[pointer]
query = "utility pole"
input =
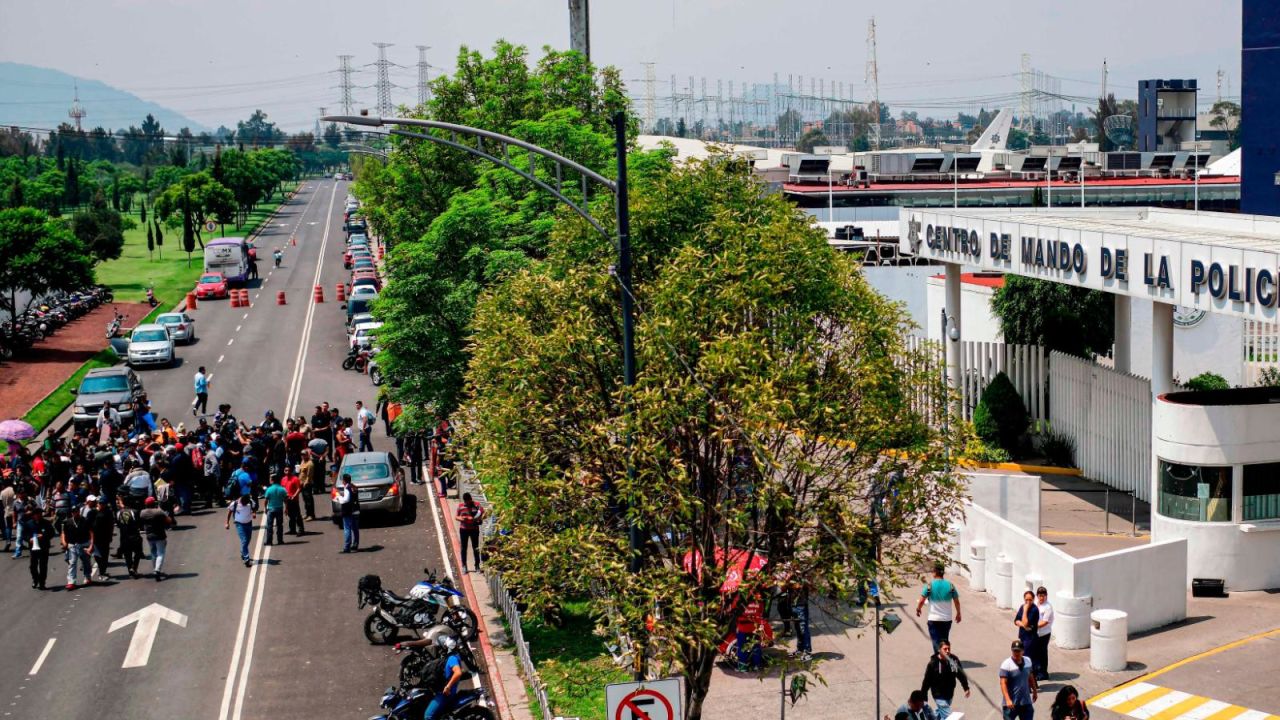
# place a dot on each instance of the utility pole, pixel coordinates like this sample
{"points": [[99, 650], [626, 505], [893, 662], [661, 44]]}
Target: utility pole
{"points": [[580, 27], [383, 84], [424, 92], [345, 84], [873, 80], [650, 99]]}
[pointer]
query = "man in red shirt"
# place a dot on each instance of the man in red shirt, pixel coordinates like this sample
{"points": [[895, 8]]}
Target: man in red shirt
{"points": [[293, 493], [470, 515]]}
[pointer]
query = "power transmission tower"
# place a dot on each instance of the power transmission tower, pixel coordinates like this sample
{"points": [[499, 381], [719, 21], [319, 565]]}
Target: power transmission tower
{"points": [[650, 99], [319, 129], [78, 113], [344, 83], [1220, 74], [383, 84], [424, 92], [873, 79], [1025, 123]]}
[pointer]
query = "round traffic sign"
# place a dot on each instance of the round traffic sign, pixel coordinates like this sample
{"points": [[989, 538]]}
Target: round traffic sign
{"points": [[210, 225], [644, 704]]}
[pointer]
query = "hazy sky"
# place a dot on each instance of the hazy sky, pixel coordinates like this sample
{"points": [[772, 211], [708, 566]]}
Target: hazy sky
{"points": [[217, 60]]}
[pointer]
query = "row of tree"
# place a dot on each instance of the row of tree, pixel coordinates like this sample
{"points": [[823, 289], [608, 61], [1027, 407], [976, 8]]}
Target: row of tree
{"points": [[754, 340]]}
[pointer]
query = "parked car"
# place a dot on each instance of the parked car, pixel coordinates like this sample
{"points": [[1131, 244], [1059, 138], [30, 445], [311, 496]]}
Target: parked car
{"points": [[211, 285], [182, 327], [150, 344], [119, 386], [362, 334], [356, 306], [363, 292], [366, 279], [379, 482]]}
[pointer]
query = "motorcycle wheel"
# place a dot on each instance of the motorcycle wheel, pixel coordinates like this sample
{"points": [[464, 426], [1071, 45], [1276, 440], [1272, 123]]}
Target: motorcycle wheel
{"points": [[348, 363], [376, 376], [413, 664], [474, 712], [463, 621], [377, 630]]}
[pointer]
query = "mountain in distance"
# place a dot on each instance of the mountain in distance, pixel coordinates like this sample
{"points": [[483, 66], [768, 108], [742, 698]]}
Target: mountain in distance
{"points": [[37, 97]]}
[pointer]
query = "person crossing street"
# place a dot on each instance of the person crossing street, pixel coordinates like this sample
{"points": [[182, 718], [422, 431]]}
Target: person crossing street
{"points": [[241, 513], [200, 406], [275, 496]]}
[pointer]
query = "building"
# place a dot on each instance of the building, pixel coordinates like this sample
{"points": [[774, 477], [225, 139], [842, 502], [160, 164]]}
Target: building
{"points": [[1260, 108], [1166, 114]]}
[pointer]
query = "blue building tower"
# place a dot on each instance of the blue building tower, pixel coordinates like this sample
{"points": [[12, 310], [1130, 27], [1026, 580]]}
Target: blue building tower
{"points": [[1260, 109]]}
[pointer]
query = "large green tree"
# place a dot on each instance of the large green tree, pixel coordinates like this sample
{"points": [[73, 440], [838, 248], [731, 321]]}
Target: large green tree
{"points": [[41, 255], [1073, 320], [755, 342], [100, 229], [205, 198]]}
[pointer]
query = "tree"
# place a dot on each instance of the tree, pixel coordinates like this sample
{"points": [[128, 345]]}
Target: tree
{"points": [[159, 238], [1226, 117], [151, 243], [332, 135], [789, 123], [142, 211], [188, 233], [100, 230], [681, 128], [200, 196], [811, 138], [41, 255], [1073, 320], [754, 340], [257, 130], [71, 185]]}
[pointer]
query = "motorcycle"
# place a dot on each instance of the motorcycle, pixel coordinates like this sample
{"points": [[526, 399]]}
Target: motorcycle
{"points": [[429, 604], [113, 327], [151, 298], [357, 358], [410, 699]]}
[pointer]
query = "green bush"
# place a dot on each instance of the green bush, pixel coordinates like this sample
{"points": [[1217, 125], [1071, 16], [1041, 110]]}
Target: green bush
{"points": [[1058, 449], [1270, 377], [1000, 417], [1208, 381]]}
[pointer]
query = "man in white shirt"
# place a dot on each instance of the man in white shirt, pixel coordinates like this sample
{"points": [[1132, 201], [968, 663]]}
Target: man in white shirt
{"points": [[1043, 631], [365, 420]]}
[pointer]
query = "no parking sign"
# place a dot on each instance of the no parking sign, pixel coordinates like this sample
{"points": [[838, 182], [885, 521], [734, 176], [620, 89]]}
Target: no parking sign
{"points": [[655, 700]]}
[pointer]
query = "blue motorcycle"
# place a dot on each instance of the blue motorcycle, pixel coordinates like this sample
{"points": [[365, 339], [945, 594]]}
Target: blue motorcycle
{"points": [[411, 704], [429, 603]]}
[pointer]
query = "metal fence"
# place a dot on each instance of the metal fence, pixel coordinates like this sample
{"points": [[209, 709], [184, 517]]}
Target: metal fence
{"points": [[508, 606], [1108, 415]]}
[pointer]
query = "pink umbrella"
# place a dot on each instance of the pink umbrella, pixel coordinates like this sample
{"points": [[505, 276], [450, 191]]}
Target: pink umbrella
{"points": [[16, 430]]}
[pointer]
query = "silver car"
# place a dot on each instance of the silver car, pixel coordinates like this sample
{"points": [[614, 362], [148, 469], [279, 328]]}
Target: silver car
{"points": [[379, 482], [182, 327], [150, 345]]}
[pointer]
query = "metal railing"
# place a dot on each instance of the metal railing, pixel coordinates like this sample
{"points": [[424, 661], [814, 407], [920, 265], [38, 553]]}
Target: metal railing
{"points": [[507, 605]]}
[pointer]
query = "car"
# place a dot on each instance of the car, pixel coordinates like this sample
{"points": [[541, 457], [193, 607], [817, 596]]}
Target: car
{"points": [[119, 386], [379, 482], [362, 264], [360, 318], [350, 255], [211, 285], [358, 236], [363, 292], [362, 335], [182, 327], [364, 279], [150, 344], [357, 306]]}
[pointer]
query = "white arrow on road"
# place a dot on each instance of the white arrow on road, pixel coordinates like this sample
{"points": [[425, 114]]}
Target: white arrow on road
{"points": [[144, 635]]}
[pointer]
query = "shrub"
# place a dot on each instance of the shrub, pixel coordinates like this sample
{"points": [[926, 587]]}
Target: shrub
{"points": [[1270, 377], [1208, 381], [1000, 417], [1058, 449]]}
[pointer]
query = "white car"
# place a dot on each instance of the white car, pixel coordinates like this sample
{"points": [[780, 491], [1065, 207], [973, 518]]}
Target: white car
{"points": [[363, 292], [363, 334], [150, 345], [182, 327]]}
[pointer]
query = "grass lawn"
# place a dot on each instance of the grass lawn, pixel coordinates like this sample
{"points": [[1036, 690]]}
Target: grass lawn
{"points": [[133, 272], [572, 662], [48, 409]]}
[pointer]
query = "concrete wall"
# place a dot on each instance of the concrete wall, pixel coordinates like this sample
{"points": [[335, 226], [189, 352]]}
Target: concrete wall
{"points": [[977, 321], [1016, 498], [905, 284], [1028, 552], [1214, 344]]}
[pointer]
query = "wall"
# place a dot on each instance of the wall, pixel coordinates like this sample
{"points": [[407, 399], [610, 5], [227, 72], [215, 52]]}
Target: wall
{"points": [[1016, 498], [904, 284], [1027, 551], [977, 321], [1213, 344], [1260, 105]]}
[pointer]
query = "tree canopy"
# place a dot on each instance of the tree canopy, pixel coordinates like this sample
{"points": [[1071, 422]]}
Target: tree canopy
{"points": [[41, 255], [1070, 319]]}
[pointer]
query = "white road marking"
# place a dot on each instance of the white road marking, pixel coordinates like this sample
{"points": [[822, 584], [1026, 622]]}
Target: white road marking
{"points": [[1160, 703], [263, 560], [435, 516], [231, 341], [146, 624], [244, 316], [300, 364], [1125, 695], [238, 328], [230, 684], [220, 357], [256, 296], [1206, 710], [43, 654]]}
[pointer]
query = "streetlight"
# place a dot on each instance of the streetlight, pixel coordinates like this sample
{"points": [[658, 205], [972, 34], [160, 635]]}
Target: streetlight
{"points": [[1195, 170], [950, 331], [1082, 174]]}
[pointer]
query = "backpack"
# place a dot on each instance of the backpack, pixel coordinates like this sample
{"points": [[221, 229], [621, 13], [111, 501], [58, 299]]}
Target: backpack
{"points": [[433, 672]]}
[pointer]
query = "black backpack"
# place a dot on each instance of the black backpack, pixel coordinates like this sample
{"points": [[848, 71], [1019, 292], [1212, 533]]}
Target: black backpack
{"points": [[433, 678]]}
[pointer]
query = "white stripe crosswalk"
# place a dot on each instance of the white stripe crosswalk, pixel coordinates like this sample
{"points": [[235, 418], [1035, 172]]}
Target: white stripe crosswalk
{"points": [[1148, 701]]}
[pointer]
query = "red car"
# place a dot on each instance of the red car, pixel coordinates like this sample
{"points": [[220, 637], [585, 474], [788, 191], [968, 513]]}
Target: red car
{"points": [[211, 285]]}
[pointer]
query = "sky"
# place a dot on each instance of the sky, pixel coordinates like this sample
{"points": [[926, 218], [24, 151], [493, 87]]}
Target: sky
{"points": [[218, 60]]}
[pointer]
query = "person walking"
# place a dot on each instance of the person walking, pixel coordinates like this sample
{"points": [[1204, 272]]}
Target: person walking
{"points": [[241, 513], [155, 522], [76, 537], [1068, 705], [103, 526], [916, 708], [1027, 619], [940, 677], [365, 422], [470, 515], [275, 496], [942, 597], [39, 534], [1044, 631], [130, 536], [1018, 688], [292, 503], [349, 508]]}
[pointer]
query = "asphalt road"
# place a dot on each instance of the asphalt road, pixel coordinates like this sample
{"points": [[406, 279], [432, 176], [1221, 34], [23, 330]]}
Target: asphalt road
{"points": [[282, 639]]}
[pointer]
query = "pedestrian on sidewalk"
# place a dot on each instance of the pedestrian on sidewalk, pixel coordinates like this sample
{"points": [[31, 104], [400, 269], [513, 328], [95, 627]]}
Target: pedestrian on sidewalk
{"points": [[76, 537], [1027, 619], [275, 496], [130, 536], [155, 522], [470, 516], [916, 708], [1044, 631], [349, 510], [241, 513], [292, 503], [942, 597], [39, 534], [365, 422], [1068, 705], [940, 677], [1018, 688]]}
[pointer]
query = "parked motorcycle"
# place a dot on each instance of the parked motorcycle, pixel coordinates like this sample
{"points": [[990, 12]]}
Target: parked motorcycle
{"points": [[430, 604], [411, 700], [151, 297], [357, 358], [113, 327]]}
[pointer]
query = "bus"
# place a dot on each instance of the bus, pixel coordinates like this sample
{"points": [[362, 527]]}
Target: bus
{"points": [[229, 256]]}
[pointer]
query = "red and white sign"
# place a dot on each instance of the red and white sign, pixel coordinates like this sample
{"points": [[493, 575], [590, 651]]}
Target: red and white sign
{"points": [[656, 700]]}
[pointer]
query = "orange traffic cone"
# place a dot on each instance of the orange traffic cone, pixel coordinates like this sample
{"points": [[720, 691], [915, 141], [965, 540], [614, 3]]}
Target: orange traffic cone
{"points": [[318, 295], [342, 292], [191, 301], [280, 298]]}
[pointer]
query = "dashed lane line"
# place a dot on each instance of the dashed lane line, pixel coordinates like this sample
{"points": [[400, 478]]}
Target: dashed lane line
{"points": [[231, 341], [43, 654], [220, 357]]}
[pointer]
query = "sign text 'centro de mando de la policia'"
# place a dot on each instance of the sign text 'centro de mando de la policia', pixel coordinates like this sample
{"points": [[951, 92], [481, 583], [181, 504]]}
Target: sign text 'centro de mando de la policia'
{"points": [[1211, 277]]}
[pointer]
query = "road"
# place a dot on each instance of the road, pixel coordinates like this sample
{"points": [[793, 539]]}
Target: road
{"points": [[281, 639]]}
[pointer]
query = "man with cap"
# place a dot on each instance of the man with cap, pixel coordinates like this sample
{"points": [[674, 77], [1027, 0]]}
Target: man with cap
{"points": [[103, 527], [1018, 688], [130, 536], [155, 522], [270, 424], [916, 708], [242, 480]]}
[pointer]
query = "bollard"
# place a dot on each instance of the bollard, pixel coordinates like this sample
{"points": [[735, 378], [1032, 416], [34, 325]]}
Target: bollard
{"points": [[978, 565], [235, 298], [1071, 620], [191, 301], [957, 551], [318, 294], [1004, 582], [280, 298], [1033, 581], [382, 252], [1109, 640], [293, 240], [342, 292], [244, 298]]}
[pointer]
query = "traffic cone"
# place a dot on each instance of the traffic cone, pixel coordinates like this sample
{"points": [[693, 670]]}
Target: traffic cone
{"points": [[318, 295], [342, 292], [191, 301], [235, 298], [244, 298], [293, 240], [280, 298]]}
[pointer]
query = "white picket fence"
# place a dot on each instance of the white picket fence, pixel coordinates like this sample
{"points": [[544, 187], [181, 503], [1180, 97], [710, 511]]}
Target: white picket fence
{"points": [[1108, 415], [1261, 350], [1026, 365]]}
